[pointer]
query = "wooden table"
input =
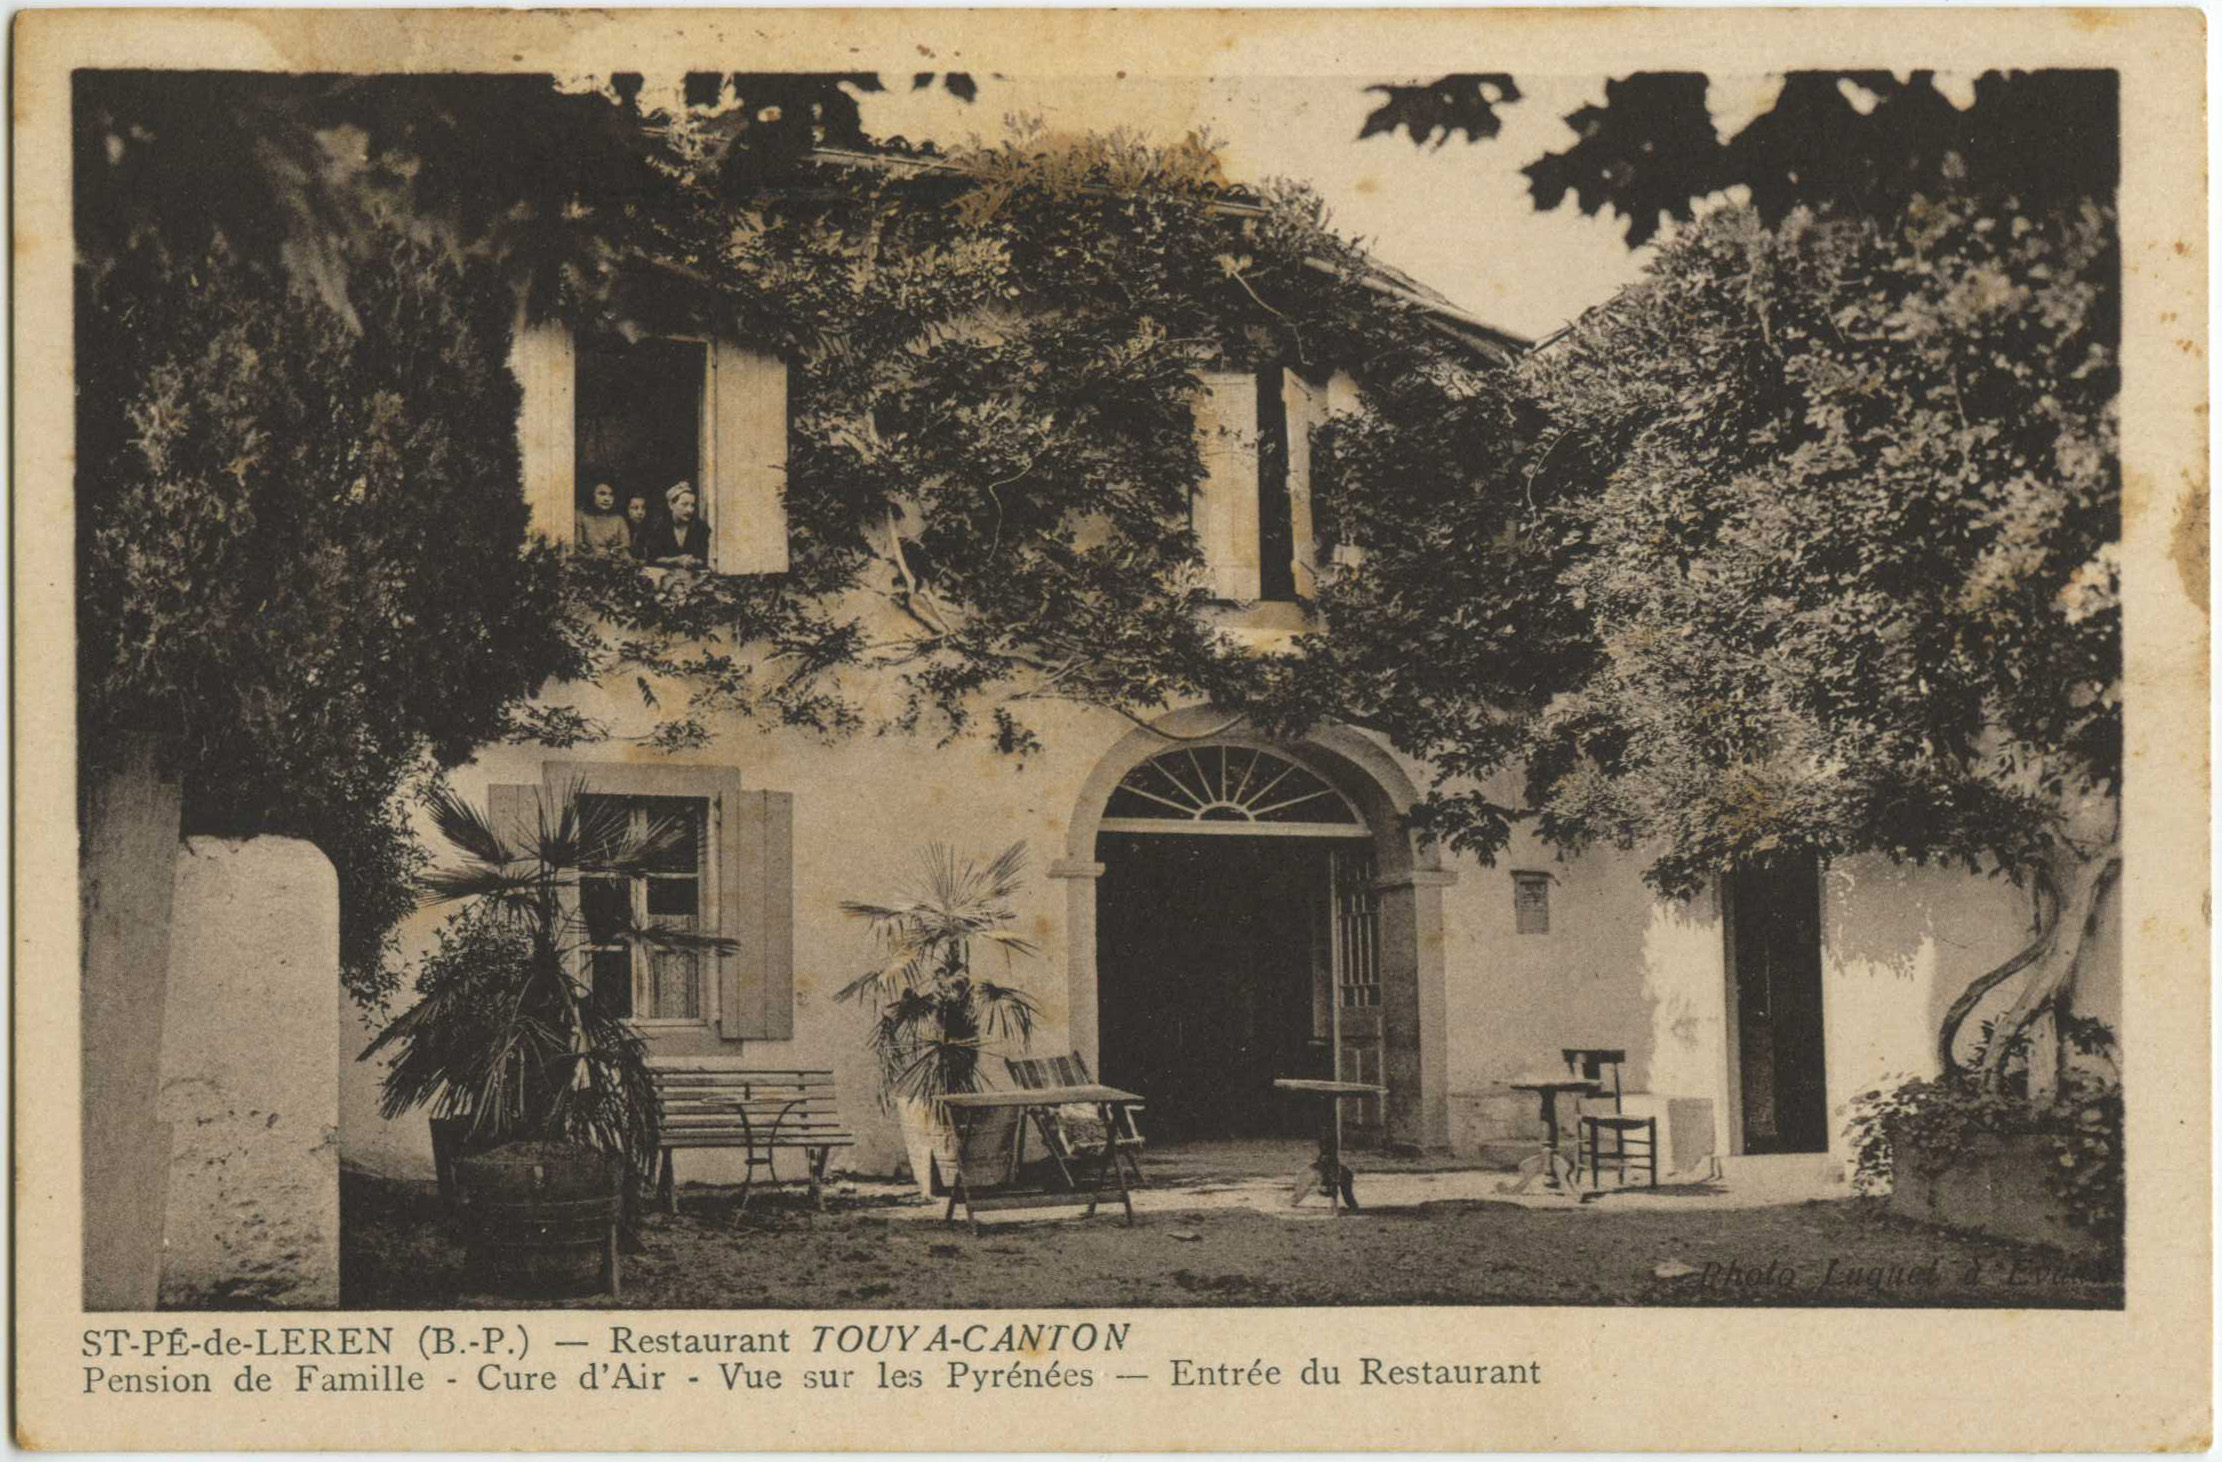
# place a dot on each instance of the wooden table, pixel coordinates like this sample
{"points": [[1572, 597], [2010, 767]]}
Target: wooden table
{"points": [[1547, 1090], [1108, 1101], [1326, 1172]]}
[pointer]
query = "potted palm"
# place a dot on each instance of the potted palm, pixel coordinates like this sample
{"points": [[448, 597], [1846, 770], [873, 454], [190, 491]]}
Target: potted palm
{"points": [[934, 1017], [538, 1088]]}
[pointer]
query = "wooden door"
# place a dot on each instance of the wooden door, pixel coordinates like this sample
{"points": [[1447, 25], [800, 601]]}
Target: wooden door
{"points": [[1354, 965], [1774, 915]]}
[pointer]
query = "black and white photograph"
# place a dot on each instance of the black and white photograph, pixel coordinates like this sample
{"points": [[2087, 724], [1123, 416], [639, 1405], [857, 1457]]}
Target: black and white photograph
{"points": [[1076, 691]]}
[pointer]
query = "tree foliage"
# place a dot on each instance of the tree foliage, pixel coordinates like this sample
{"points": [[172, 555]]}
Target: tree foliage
{"points": [[1846, 541], [1440, 110], [300, 564], [1862, 141], [993, 445], [303, 564], [1805, 542]]}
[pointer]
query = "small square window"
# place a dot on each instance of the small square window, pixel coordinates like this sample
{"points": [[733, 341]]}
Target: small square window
{"points": [[1531, 903]]}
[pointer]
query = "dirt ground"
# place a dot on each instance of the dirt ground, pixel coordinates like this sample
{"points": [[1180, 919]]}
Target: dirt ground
{"points": [[397, 1253]]}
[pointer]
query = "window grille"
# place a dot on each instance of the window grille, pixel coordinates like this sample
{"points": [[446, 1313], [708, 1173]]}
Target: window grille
{"points": [[1531, 903]]}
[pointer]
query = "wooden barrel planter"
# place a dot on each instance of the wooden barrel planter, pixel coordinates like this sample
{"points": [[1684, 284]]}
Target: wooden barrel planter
{"points": [[451, 1139], [525, 1199]]}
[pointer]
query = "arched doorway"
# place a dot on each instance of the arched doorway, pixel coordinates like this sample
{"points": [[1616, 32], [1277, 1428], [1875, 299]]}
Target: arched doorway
{"points": [[1242, 910]]}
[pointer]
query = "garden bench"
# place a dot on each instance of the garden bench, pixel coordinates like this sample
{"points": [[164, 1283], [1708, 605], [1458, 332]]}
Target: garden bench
{"points": [[717, 1104]]}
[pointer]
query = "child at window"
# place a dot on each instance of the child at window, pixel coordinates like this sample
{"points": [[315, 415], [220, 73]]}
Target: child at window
{"points": [[601, 527], [636, 523], [682, 540]]}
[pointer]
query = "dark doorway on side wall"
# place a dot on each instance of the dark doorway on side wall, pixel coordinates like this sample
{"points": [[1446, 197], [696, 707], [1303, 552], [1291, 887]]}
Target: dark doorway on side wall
{"points": [[1211, 960], [1774, 921]]}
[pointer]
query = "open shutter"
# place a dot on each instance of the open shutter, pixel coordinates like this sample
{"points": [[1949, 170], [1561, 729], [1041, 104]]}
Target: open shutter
{"points": [[1307, 408], [756, 998], [1226, 505], [515, 811], [545, 363], [748, 457], [1342, 398]]}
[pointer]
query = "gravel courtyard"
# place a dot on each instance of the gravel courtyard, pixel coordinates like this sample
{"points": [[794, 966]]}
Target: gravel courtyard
{"points": [[1230, 1239]]}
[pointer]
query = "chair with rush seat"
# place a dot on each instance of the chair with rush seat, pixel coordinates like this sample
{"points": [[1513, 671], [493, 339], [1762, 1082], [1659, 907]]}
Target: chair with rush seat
{"points": [[1635, 1139]]}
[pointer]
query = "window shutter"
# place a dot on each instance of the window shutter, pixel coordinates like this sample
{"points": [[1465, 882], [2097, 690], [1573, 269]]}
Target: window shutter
{"points": [[1226, 505], [756, 996], [515, 813], [546, 366], [1342, 398], [748, 455], [1307, 408]]}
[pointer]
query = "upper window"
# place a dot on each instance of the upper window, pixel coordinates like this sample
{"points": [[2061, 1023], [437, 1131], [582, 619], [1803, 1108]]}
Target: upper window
{"points": [[1252, 515], [673, 451], [1276, 526], [638, 450], [673, 890]]}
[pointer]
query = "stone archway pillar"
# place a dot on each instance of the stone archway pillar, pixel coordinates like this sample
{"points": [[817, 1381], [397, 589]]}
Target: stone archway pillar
{"points": [[1414, 1013], [1079, 877]]}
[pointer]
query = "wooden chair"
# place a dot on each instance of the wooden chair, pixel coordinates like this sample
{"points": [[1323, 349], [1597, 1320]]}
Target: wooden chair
{"points": [[1063, 1133], [1628, 1146]]}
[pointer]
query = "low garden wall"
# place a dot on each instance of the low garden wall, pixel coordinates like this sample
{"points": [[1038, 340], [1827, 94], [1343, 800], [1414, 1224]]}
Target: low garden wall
{"points": [[1995, 1185], [250, 1078]]}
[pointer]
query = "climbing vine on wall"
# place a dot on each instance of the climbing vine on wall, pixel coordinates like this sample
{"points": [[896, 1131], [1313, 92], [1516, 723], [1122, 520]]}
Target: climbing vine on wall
{"points": [[995, 356]]}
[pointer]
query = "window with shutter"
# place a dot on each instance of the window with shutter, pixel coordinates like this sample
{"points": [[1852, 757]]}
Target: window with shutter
{"points": [[1253, 514], [608, 428], [732, 874], [1224, 511], [675, 891]]}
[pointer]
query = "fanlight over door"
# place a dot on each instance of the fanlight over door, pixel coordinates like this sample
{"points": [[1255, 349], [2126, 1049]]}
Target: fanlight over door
{"points": [[1229, 789]]}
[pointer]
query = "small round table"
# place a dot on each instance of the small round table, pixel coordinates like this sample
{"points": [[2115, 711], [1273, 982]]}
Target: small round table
{"points": [[1326, 1173], [1547, 1090]]}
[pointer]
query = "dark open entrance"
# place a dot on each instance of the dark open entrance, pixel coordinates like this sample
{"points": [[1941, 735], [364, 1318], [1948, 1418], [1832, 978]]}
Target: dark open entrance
{"points": [[1774, 918], [1210, 953]]}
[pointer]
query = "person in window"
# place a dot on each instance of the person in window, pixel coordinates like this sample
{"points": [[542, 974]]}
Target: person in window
{"points": [[681, 540], [636, 523], [601, 527]]}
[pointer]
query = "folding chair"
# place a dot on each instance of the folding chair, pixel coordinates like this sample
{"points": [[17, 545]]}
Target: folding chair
{"points": [[1070, 1132]]}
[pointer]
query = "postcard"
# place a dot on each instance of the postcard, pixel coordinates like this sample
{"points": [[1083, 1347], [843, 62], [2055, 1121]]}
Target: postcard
{"points": [[1111, 730]]}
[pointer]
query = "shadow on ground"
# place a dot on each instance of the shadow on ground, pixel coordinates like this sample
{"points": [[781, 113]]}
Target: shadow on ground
{"points": [[397, 1253]]}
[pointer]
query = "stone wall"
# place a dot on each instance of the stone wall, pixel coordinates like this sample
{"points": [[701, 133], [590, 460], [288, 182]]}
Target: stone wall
{"points": [[250, 1057]]}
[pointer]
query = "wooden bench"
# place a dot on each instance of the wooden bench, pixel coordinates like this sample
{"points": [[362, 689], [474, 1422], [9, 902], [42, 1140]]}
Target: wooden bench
{"points": [[711, 1104]]}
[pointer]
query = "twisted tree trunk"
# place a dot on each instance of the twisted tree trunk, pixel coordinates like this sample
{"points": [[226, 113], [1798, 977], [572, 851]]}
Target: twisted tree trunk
{"points": [[2085, 882], [2068, 895]]}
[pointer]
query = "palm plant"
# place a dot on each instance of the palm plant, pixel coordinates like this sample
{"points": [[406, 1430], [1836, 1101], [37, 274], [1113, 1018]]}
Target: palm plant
{"points": [[934, 1017], [505, 1034]]}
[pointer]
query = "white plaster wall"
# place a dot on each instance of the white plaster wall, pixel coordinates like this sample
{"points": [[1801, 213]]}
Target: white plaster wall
{"points": [[1623, 968], [249, 1049], [1899, 944], [1619, 967], [864, 808]]}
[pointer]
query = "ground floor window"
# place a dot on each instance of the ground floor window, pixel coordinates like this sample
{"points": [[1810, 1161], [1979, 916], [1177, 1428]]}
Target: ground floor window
{"points": [[673, 891]]}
